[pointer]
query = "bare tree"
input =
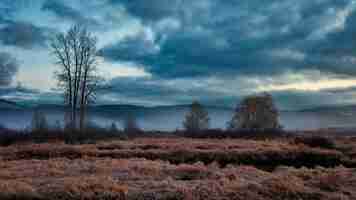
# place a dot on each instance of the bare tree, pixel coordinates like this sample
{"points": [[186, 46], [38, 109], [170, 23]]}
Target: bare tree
{"points": [[131, 126], [8, 68], [39, 122], [76, 55], [197, 119], [256, 112], [113, 128]]}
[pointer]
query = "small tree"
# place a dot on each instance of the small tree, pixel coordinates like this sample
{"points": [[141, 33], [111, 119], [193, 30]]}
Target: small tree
{"points": [[197, 119], [39, 122], [114, 131], [113, 128], [57, 126], [256, 112], [130, 125]]}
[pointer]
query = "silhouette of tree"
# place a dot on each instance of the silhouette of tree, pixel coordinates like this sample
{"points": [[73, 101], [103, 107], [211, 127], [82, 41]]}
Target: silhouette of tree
{"points": [[113, 128], [76, 55], [39, 122], [57, 126], [119, 134], [256, 112], [130, 125], [197, 119]]}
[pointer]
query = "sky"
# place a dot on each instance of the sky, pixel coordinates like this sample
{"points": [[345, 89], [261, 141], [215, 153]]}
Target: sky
{"points": [[168, 52]]}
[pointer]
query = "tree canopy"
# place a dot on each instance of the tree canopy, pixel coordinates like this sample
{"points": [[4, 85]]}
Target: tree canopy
{"points": [[256, 112], [197, 119]]}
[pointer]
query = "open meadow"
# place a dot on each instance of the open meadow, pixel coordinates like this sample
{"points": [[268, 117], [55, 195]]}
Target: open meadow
{"points": [[181, 168]]}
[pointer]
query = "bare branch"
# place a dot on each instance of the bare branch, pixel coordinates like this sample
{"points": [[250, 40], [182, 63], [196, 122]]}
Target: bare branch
{"points": [[75, 53]]}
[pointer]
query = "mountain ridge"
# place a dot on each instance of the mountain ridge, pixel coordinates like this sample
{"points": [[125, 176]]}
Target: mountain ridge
{"points": [[106, 106], [6, 104]]}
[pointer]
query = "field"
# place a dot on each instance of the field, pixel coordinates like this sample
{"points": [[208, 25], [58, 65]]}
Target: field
{"points": [[180, 168]]}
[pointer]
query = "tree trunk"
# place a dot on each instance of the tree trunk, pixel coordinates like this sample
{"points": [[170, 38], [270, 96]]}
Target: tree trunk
{"points": [[82, 118]]}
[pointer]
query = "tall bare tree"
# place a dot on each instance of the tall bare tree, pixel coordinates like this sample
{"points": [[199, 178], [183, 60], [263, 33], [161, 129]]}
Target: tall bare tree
{"points": [[76, 55]]}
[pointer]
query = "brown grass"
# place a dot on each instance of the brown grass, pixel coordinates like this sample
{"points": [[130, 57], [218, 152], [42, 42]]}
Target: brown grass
{"points": [[179, 168]]}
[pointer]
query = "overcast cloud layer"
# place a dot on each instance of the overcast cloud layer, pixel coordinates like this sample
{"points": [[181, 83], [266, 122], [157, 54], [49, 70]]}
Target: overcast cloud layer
{"points": [[172, 52]]}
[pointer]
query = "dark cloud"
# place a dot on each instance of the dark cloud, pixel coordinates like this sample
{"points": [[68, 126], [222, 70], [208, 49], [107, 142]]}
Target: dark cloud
{"points": [[336, 52], [18, 90], [22, 34], [158, 91], [132, 48], [251, 37], [60, 9], [152, 10], [8, 68], [199, 55], [148, 91], [25, 95], [299, 100]]}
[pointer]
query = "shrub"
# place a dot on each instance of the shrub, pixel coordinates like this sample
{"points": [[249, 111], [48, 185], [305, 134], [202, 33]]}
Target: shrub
{"points": [[316, 141], [237, 133], [69, 136], [9, 137]]}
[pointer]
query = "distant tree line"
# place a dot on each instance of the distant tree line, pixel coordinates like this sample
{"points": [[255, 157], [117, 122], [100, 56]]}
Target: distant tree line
{"points": [[257, 112]]}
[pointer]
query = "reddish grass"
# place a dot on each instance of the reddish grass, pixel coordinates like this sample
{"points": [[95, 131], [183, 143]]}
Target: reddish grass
{"points": [[178, 168]]}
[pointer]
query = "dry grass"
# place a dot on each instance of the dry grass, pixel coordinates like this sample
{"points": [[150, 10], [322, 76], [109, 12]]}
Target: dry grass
{"points": [[178, 168]]}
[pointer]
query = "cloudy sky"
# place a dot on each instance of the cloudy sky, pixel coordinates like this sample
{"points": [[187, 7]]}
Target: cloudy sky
{"points": [[165, 52]]}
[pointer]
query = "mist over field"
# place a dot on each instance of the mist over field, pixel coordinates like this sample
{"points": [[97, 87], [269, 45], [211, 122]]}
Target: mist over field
{"points": [[170, 118]]}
